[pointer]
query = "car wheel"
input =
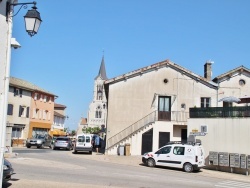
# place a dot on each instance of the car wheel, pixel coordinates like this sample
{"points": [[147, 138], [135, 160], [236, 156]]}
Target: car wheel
{"points": [[42, 146], [28, 146], [75, 151], [54, 148], [90, 152], [151, 162], [188, 167], [38, 147]]}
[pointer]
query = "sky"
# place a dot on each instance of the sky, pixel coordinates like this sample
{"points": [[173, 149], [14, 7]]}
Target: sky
{"points": [[65, 55]]}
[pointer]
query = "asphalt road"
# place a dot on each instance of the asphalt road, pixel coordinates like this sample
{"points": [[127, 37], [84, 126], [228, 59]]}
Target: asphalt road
{"points": [[42, 168]]}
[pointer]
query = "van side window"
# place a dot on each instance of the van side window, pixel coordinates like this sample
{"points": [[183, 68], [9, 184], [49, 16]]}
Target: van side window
{"points": [[81, 139], [87, 139], [164, 150], [179, 150]]}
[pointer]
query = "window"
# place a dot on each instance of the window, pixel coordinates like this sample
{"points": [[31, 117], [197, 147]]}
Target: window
{"points": [[16, 132], [10, 109], [205, 102], [18, 91], [27, 112], [204, 128], [24, 111], [179, 150], [41, 97], [36, 96], [99, 92], [21, 111], [164, 150], [242, 82], [98, 114]]}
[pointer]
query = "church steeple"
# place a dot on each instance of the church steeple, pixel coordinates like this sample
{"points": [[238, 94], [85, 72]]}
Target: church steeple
{"points": [[102, 70]]}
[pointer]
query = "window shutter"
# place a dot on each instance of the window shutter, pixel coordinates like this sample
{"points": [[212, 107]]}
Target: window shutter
{"points": [[27, 112], [20, 111], [14, 91], [10, 109], [21, 92]]}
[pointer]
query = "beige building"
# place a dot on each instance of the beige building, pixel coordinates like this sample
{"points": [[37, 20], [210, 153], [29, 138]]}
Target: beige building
{"points": [[57, 128], [149, 107], [18, 114], [31, 110]]}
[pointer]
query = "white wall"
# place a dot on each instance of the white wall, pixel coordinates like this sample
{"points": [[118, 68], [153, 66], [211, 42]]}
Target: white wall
{"points": [[224, 134], [134, 98]]}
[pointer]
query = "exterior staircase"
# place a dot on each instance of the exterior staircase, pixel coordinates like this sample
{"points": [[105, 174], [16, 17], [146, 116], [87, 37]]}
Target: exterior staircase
{"points": [[125, 136]]}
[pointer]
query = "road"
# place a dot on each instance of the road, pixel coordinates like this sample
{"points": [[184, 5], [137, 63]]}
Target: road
{"points": [[42, 168]]}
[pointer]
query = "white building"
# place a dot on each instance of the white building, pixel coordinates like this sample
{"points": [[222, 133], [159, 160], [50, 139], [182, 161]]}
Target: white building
{"points": [[98, 108], [149, 107]]}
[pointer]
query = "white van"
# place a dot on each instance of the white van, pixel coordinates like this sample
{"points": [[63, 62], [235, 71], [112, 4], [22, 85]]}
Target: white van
{"points": [[186, 156], [83, 143]]}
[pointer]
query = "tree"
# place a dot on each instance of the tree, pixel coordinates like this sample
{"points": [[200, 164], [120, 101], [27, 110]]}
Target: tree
{"points": [[91, 130]]}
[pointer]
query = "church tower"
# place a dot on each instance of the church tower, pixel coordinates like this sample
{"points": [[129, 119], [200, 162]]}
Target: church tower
{"points": [[98, 108]]}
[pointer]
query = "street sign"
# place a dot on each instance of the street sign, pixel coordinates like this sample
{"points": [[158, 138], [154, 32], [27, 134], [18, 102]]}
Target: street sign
{"points": [[197, 133]]}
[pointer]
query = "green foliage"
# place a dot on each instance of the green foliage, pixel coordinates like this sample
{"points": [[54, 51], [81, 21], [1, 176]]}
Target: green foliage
{"points": [[73, 132], [91, 130]]}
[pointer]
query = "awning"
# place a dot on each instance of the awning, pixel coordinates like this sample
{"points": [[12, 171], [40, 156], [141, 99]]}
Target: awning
{"points": [[230, 99], [57, 132]]}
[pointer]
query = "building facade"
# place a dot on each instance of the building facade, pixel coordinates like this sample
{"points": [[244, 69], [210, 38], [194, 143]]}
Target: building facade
{"points": [[149, 107], [57, 128], [226, 127]]}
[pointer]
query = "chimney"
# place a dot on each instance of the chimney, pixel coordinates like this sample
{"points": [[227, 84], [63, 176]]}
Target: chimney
{"points": [[208, 70]]}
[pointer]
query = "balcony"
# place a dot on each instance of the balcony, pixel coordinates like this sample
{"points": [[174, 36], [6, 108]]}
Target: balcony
{"points": [[220, 112]]}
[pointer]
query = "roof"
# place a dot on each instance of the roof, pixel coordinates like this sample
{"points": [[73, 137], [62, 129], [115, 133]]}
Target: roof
{"points": [[83, 121], [102, 71], [16, 82], [59, 106], [238, 70], [58, 114], [159, 65]]}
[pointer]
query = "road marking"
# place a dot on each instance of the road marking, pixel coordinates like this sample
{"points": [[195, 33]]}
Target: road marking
{"points": [[233, 184]]}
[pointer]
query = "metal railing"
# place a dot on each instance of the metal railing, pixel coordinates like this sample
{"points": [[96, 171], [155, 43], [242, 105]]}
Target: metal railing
{"points": [[177, 116], [125, 133], [220, 112]]}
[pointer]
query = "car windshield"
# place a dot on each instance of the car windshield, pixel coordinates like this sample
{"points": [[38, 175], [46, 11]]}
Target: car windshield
{"points": [[40, 136], [62, 139]]}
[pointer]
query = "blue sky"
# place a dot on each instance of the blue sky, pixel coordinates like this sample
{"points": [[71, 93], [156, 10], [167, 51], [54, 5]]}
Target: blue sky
{"points": [[65, 56]]}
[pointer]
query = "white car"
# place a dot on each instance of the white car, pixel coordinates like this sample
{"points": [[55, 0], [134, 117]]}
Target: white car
{"points": [[83, 143], [186, 156]]}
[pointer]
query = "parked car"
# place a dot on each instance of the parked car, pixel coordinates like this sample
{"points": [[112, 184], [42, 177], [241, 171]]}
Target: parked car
{"points": [[7, 171], [189, 157], [40, 141], [62, 142], [83, 143]]}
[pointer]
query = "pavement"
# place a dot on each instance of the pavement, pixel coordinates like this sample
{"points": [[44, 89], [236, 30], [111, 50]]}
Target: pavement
{"points": [[137, 161]]}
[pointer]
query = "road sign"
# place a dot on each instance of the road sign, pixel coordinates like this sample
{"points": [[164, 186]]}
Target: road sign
{"points": [[197, 133]]}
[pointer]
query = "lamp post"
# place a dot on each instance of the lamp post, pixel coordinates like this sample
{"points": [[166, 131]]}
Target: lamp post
{"points": [[32, 23]]}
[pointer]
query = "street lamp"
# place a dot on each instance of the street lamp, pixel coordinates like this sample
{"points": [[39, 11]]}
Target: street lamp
{"points": [[32, 22], [32, 17]]}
